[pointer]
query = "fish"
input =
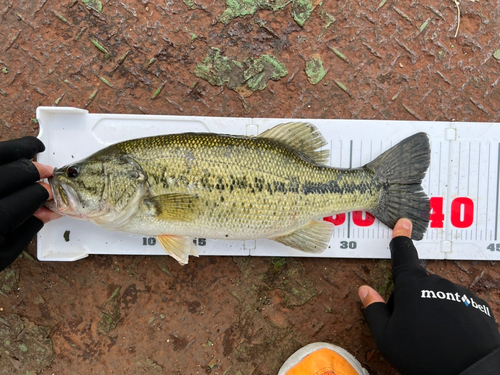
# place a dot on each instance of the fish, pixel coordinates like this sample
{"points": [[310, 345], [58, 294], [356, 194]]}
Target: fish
{"points": [[276, 186]]}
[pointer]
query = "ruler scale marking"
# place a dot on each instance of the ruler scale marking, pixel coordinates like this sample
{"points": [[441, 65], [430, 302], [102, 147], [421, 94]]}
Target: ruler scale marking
{"points": [[349, 214], [362, 231], [478, 184], [429, 174], [448, 230], [468, 170], [488, 187], [440, 162], [459, 166], [498, 186]]}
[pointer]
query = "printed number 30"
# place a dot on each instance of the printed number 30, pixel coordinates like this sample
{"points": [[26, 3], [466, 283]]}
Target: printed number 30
{"points": [[350, 244]]}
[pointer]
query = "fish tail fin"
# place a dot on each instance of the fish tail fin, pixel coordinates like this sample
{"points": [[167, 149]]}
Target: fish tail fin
{"points": [[401, 170]]}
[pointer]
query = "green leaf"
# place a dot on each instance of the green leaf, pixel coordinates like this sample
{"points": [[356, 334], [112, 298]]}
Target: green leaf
{"points": [[93, 4]]}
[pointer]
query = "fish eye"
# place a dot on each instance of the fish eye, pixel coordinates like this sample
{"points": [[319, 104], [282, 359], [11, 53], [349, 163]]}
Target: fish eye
{"points": [[72, 172]]}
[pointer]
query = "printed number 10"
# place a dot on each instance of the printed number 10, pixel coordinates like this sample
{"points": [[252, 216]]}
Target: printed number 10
{"points": [[148, 241]]}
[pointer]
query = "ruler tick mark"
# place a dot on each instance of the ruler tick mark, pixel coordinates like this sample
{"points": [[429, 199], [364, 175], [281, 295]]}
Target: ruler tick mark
{"points": [[349, 214], [498, 186]]}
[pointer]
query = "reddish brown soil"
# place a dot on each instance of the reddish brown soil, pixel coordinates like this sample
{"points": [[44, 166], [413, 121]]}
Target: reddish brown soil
{"points": [[223, 315]]}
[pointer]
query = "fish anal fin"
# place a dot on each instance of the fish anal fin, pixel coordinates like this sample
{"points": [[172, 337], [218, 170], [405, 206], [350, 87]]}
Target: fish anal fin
{"points": [[178, 247], [311, 238], [301, 136], [174, 207]]}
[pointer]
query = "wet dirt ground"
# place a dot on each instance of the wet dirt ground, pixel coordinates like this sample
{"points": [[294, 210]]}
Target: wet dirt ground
{"points": [[305, 59]]}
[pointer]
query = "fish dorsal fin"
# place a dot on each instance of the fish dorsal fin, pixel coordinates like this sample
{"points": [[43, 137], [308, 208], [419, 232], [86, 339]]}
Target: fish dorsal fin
{"points": [[178, 247], [173, 207], [301, 136], [312, 238]]}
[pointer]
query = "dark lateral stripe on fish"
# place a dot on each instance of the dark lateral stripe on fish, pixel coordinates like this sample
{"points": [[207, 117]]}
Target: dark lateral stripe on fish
{"points": [[332, 187]]}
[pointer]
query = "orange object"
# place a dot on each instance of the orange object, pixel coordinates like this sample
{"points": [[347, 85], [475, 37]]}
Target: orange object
{"points": [[322, 359]]}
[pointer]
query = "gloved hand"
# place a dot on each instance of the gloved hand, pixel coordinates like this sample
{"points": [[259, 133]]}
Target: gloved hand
{"points": [[429, 325], [21, 197]]}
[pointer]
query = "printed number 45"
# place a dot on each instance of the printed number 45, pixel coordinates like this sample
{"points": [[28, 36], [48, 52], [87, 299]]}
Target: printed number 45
{"points": [[494, 247]]}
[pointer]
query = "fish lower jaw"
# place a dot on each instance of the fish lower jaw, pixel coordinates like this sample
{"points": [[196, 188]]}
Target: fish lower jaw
{"points": [[51, 205], [61, 210]]}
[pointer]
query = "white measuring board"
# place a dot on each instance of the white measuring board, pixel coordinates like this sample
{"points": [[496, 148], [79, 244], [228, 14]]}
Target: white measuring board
{"points": [[463, 182]]}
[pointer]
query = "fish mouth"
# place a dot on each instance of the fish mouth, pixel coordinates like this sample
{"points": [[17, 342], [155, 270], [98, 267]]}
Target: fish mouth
{"points": [[64, 201]]}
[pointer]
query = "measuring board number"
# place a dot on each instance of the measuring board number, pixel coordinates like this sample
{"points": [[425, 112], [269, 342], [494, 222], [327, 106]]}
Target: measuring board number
{"points": [[494, 247], [461, 214], [348, 245], [151, 241], [200, 241]]}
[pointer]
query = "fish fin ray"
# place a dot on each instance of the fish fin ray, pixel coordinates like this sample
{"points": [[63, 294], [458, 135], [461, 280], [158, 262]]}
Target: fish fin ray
{"points": [[174, 207], [401, 170], [301, 136], [178, 247], [311, 238]]}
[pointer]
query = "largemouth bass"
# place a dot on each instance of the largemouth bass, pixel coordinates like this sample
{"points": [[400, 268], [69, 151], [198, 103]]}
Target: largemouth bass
{"points": [[276, 185]]}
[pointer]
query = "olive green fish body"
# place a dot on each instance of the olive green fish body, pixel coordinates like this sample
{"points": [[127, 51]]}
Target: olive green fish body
{"points": [[241, 188], [274, 186]]}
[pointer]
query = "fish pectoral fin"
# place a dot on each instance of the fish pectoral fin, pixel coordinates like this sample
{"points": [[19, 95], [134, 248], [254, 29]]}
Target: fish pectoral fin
{"points": [[174, 207], [312, 238], [301, 136], [178, 247]]}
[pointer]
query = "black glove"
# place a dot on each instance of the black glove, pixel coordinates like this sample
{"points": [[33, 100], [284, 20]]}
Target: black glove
{"points": [[20, 197], [430, 325]]}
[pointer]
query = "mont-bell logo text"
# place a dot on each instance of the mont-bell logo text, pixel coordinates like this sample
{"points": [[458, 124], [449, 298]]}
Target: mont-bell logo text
{"points": [[456, 297]]}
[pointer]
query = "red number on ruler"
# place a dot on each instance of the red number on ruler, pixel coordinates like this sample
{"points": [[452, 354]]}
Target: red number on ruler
{"points": [[461, 215], [339, 219], [437, 216], [360, 221], [462, 212]]}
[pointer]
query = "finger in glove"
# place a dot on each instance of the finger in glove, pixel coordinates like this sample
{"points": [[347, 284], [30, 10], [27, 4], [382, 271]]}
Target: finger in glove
{"points": [[22, 148], [17, 207], [16, 175], [404, 257]]}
